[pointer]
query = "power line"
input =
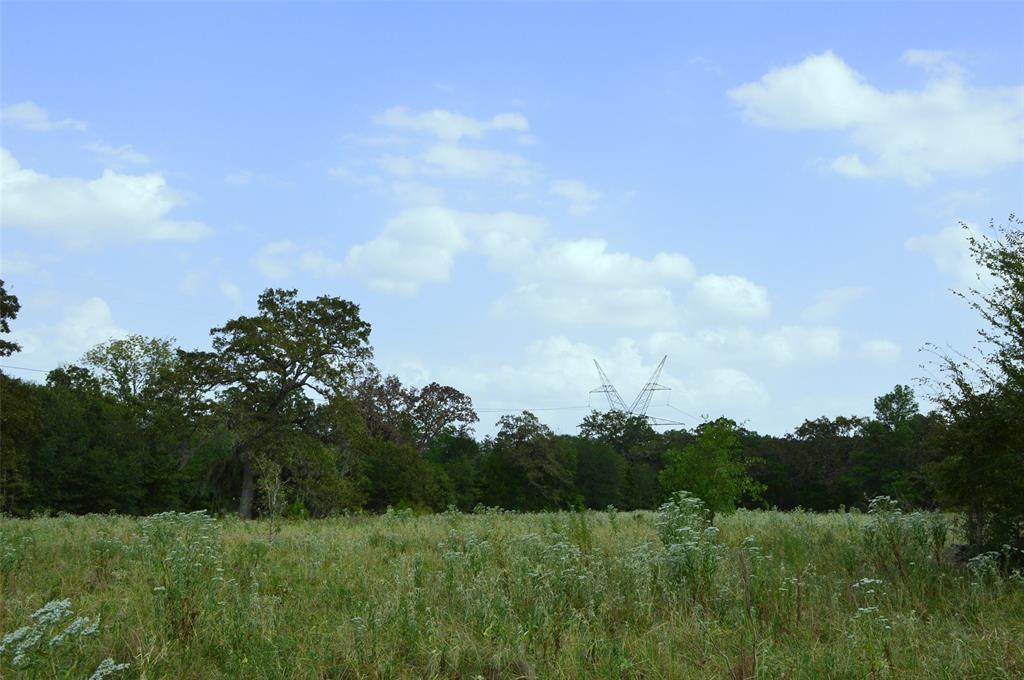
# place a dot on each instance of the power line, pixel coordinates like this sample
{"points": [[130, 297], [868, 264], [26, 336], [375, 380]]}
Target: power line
{"points": [[516, 410], [689, 415], [24, 368]]}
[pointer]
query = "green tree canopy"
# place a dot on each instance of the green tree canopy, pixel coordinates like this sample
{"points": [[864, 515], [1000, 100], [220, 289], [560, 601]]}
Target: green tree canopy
{"points": [[264, 366], [713, 467], [9, 307]]}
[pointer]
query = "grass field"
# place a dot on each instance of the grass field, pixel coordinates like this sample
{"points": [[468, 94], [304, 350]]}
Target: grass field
{"points": [[497, 595]]}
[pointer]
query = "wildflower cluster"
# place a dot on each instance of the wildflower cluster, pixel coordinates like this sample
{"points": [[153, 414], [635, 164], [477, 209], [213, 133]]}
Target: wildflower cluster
{"points": [[903, 541], [869, 594], [38, 643], [187, 552], [690, 540]]}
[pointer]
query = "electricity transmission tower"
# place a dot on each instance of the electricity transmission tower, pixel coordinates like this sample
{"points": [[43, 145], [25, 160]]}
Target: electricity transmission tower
{"points": [[615, 402], [643, 399]]}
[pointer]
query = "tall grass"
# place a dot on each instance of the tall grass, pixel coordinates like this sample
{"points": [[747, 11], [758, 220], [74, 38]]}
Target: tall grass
{"points": [[501, 595]]}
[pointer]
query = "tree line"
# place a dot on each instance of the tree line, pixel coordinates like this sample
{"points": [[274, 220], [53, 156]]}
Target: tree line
{"points": [[286, 413]]}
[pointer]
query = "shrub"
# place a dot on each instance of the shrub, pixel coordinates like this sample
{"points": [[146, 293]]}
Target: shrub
{"points": [[691, 545]]}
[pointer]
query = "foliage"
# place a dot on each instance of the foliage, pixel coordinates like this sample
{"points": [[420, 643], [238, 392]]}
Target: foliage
{"points": [[600, 473], [691, 542], [51, 645], [982, 473], [528, 467], [712, 468], [263, 365], [9, 307]]}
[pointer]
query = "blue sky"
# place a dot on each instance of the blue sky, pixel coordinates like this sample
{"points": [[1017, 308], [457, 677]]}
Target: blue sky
{"points": [[769, 194]]}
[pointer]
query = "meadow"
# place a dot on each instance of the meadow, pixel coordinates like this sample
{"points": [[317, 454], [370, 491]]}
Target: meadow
{"points": [[492, 594]]}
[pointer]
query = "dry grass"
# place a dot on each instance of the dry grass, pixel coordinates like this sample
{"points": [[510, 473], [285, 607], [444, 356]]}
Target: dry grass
{"points": [[494, 595]]}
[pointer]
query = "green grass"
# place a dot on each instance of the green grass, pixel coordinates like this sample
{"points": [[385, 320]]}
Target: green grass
{"points": [[494, 595]]}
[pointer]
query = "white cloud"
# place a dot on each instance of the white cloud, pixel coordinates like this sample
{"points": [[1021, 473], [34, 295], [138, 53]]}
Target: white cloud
{"points": [[588, 262], [786, 345], [112, 207], [416, 193], [582, 282], [457, 162], [29, 116], [420, 245], [82, 326], [629, 306], [240, 179], [731, 295], [274, 259], [449, 126], [946, 126], [453, 160], [830, 303], [559, 372], [231, 291], [18, 263], [881, 350], [950, 250], [201, 282], [582, 199], [117, 154]]}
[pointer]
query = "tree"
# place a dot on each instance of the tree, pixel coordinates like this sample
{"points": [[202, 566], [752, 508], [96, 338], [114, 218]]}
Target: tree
{"points": [[529, 468], [896, 408], [457, 457], [21, 427], [713, 467], [9, 307], [982, 399], [820, 465], [600, 473], [627, 433], [133, 368], [264, 367], [441, 410], [632, 438], [386, 406], [401, 414]]}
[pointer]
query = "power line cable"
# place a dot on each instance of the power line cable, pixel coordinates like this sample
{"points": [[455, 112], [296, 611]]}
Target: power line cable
{"points": [[24, 368], [516, 410]]}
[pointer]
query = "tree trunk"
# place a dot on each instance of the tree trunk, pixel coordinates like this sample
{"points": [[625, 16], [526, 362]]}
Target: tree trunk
{"points": [[978, 526], [248, 489]]}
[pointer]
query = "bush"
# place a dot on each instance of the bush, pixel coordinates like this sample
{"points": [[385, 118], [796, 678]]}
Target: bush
{"points": [[691, 542]]}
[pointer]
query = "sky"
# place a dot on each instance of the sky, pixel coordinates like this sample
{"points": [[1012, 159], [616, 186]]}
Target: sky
{"points": [[768, 194]]}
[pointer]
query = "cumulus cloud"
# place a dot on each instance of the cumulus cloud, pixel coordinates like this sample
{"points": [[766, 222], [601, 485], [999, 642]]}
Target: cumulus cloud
{"points": [[113, 206], [738, 345], [945, 126], [582, 281], [449, 126], [420, 245], [471, 163], [18, 263], [589, 262], [950, 250], [30, 116], [830, 303], [117, 154], [557, 372], [572, 281], [278, 260], [582, 199], [205, 280], [81, 326], [881, 350], [731, 295], [646, 306], [460, 162]]}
